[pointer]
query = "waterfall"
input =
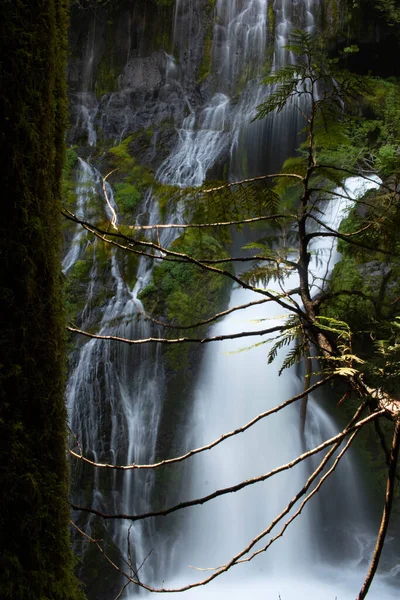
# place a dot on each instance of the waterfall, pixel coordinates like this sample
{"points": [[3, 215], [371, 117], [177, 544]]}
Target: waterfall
{"points": [[221, 130], [115, 392], [236, 384]]}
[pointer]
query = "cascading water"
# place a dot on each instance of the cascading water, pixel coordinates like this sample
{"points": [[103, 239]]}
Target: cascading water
{"points": [[234, 386], [115, 392], [85, 189], [222, 128]]}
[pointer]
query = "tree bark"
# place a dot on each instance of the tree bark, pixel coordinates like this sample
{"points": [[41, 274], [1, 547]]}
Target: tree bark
{"points": [[36, 560]]}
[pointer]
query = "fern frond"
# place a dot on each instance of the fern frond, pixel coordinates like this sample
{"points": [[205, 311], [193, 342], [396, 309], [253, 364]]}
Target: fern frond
{"points": [[293, 357]]}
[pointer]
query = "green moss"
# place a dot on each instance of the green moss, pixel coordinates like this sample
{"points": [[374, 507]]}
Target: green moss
{"points": [[346, 276], [107, 73], [96, 257], [270, 46], [204, 69], [205, 66], [127, 196], [130, 263], [130, 179], [183, 293], [68, 181], [121, 153], [106, 78], [75, 290]]}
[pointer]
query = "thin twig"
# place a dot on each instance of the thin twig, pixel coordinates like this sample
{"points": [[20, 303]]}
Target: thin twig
{"points": [[252, 180]]}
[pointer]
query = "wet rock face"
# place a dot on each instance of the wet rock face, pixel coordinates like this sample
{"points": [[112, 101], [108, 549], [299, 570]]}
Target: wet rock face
{"points": [[144, 74], [133, 66]]}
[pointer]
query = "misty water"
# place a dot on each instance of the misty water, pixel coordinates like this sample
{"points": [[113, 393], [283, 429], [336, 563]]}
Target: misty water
{"points": [[115, 393], [235, 385]]}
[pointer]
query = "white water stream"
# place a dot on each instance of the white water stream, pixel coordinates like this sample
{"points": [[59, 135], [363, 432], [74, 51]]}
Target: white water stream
{"points": [[235, 385], [115, 393]]}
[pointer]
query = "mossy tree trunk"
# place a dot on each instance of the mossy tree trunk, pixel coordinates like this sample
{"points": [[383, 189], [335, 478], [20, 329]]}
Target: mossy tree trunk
{"points": [[35, 555]]}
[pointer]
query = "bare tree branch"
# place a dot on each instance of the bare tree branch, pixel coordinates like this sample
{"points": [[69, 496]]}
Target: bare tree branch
{"points": [[206, 321], [167, 254], [253, 179], [183, 340], [353, 173], [308, 497], [238, 557], [216, 442], [249, 221], [386, 512], [239, 486], [345, 237]]}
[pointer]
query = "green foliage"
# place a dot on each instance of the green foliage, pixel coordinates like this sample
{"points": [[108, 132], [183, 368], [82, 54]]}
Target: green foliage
{"points": [[127, 196], [390, 9], [121, 154], [313, 67], [371, 131], [316, 85], [130, 179], [182, 292]]}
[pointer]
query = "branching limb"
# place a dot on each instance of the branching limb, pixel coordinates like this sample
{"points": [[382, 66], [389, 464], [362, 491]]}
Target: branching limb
{"points": [[122, 590], [239, 486], [215, 317], [353, 173], [249, 221], [308, 497], [183, 340], [102, 551], [342, 236], [253, 179], [386, 512], [216, 442], [168, 254], [238, 557]]}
